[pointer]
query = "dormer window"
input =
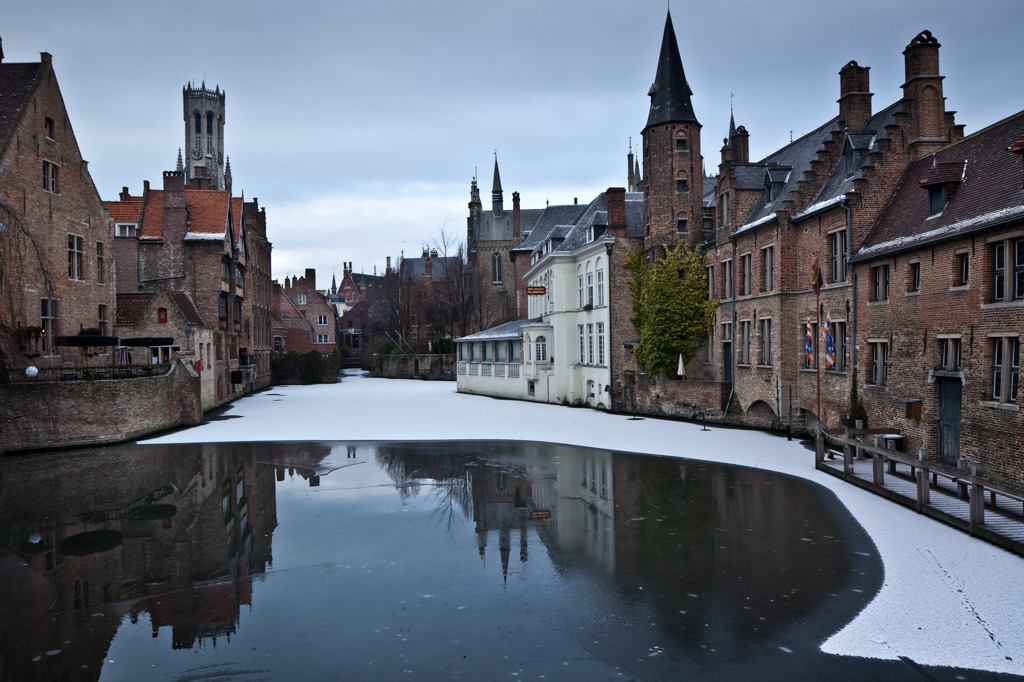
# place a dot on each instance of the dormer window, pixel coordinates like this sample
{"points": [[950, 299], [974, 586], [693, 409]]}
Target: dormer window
{"points": [[936, 199], [769, 197], [941, 181]]}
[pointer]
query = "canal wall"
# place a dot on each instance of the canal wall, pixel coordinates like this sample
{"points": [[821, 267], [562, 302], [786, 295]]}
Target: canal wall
{"points": [[49, 415], [436, 367]]}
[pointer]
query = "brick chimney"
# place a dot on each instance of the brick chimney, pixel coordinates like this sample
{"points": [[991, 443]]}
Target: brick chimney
{"points": [[516, 220], [922, 96], [427, 268], [175, 211], [311, 278], [616, 211], [740, 142], [854, 95]]}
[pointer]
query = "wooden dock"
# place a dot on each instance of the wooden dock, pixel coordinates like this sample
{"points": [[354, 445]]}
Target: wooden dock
{"points": [[959, 496]]}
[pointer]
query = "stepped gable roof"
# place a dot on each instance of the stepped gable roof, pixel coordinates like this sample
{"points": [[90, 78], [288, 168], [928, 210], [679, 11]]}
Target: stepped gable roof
{"points": [[562, 214], [986, 194], [503, 332], [187, 307], [17, 82], [797, 157], [130, 307], [787, 166], [670, 94], [126, 210], [838, 183]]}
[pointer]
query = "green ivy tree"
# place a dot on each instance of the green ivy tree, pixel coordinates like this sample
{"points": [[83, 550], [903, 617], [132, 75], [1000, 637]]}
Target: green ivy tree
{"points": [[671, 309]]}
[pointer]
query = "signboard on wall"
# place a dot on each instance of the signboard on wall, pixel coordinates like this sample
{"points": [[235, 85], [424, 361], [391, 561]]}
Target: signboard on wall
{"points": [[536, 291]]}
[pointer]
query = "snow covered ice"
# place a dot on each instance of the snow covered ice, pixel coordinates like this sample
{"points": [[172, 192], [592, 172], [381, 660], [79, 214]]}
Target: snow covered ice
{"points": [[948, 599]]}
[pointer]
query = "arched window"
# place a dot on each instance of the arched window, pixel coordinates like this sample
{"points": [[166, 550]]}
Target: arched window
{"points": [[496, 268], [542, 349], [209, 132], [199, 123], [680, 141]]}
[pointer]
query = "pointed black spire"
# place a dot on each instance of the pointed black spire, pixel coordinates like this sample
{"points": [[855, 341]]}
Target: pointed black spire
{"points": [[670, 94], [497, 202]]}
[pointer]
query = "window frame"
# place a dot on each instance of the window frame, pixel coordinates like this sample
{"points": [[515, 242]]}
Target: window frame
{"points": [[76, 257], [746, 273], [768, 268], [879, 375], [838, 256], [766, 341]]}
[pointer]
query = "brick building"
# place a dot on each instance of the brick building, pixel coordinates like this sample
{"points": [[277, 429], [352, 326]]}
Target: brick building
{"points": [[303, 318], [811, 202], [940, 303], [56, 238], [257, 304]]}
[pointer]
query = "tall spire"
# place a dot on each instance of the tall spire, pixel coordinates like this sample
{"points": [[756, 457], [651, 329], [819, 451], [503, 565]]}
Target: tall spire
{"points": [[497, 203], [180, 165], [670, 94]]}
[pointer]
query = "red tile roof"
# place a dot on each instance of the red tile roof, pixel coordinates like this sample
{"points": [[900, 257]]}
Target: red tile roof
{"points": [[207, 213], [128, 210], [187, 307]]}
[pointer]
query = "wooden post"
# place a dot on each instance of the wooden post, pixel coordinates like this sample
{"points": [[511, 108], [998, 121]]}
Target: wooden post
{"points": [[860, 426], [847, 452], [819, 443], [878, 465], [923, 491], [977, 499], [961, 486]]}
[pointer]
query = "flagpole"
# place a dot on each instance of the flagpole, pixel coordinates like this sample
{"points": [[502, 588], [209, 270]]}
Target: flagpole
{"points": [[817, 364]]}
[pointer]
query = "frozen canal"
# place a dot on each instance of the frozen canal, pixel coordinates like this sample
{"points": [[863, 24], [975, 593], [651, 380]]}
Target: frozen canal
{"points": [[365, 543]]}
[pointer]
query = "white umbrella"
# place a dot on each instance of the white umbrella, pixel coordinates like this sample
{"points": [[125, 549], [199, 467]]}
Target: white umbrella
{"points": [[682, 370]]}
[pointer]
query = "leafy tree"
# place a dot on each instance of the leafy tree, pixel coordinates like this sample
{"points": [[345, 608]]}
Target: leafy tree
{"points": [[671, 309]]}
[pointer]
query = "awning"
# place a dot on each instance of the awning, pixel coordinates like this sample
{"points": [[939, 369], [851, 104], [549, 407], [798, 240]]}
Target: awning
{"points": [[85, 340], [145, 341]]}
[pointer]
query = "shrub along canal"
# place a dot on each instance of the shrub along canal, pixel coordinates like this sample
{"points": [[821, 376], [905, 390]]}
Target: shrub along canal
{"points": [[431, 560]]}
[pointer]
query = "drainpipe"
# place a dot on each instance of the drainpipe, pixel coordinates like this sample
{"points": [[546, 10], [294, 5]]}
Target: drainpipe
{"points": [[732, 346], [853, 282]]}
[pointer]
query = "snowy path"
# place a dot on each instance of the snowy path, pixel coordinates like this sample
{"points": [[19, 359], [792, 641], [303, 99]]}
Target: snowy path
{"points": [[948, 598]]}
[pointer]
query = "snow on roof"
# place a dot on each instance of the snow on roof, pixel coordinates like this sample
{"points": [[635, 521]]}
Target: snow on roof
{"points": [[952, 228]]}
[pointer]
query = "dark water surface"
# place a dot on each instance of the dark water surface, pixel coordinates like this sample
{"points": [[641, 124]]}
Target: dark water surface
{"points": [[387, 561]]}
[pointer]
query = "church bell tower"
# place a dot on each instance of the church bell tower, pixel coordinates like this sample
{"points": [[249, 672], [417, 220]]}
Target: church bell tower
{"points": [[204, 134]]}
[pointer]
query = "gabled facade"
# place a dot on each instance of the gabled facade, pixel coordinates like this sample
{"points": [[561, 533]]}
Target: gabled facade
{"points": [[56, 237], [145, 318], [193, 241], [307, 318], [811, 202], [940, 300]]}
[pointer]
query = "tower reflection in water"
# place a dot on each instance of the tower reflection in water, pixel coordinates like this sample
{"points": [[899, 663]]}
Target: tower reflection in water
{"points": [[717, 556]]}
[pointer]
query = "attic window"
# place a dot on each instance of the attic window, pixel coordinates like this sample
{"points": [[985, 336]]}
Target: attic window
{"points": [[161, 315], [769, 196], [936, 199], [48, 128]]}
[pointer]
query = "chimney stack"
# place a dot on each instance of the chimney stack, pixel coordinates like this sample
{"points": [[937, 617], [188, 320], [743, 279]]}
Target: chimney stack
{"points": [[311, 278], [854, 95], [740, 143], [922, 96], [616, 211], [516, 220]]}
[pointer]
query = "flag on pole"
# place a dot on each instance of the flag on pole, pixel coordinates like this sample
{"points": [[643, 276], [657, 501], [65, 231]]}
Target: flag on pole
{"points": [[830, 348], [816, 275], [809, 346]]}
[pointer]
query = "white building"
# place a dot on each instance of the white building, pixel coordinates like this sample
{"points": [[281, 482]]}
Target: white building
{"points": [[562, 352]]}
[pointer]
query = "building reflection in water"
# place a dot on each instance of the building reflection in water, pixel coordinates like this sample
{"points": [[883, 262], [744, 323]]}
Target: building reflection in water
{"points": [[719, 556], [92, 538]]}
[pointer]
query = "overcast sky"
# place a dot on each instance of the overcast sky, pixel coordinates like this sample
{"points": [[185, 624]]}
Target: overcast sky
{"points": [[359, 125]]}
